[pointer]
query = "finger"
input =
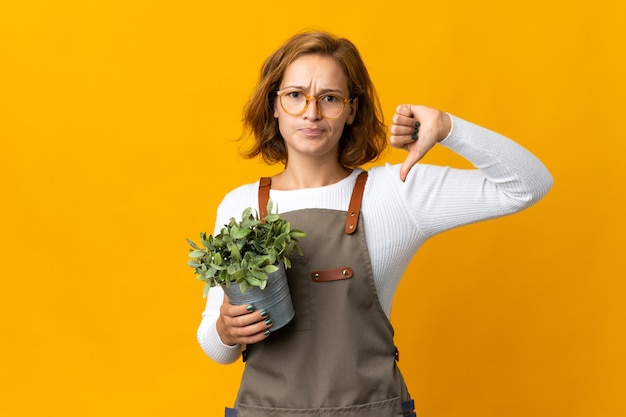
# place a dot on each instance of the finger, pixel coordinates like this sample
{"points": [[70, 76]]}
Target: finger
{"points": [[404, 110], [249, 334], [403, 137], [400, 130], [246, 319], [232, 310], [253, 329], [408, 163], [255, 338], [402, 120], [401, 141], [244, 329]]}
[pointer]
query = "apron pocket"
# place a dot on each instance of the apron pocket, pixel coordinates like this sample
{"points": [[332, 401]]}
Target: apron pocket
{"points": [[300, 290]]}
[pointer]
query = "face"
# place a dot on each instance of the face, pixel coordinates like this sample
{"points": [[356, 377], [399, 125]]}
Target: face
{"points": [[309, 134]]}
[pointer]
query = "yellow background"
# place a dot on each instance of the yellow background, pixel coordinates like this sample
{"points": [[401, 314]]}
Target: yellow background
{"points": [[117, 121]]}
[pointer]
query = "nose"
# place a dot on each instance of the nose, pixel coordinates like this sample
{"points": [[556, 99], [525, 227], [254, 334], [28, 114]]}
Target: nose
{"points": [[312, 111]]}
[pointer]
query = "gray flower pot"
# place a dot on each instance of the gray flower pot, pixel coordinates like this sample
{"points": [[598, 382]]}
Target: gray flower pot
{"points": [[275, 298]]}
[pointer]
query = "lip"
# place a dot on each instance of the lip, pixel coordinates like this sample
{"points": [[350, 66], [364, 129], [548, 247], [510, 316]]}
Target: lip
{"points": [[311, 131]]}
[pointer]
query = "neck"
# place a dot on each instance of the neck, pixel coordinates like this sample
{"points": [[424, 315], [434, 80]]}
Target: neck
{"points": [[298, 176]]}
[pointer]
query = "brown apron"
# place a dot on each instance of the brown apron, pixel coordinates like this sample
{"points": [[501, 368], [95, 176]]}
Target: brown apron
{"points": [[337, 356]]}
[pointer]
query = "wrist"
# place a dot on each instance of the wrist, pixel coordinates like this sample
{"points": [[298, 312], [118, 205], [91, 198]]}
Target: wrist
{"points": [[219, 328], [445, 126]]}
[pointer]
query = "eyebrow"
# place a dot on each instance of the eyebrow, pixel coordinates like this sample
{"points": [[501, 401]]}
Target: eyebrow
{"points": [[322, 91]]}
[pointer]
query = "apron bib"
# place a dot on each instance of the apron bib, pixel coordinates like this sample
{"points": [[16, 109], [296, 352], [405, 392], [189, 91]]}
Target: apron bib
{"points": [[337, 356]]}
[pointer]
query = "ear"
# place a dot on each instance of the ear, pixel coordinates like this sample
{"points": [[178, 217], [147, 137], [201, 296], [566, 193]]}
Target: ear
{"points": [[353, 108]]}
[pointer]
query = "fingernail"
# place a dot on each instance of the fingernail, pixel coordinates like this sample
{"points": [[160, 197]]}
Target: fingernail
{"points": [[250, 308], [266, 333], [414, 136], [417, 125], [268, 321], [263, 313]]}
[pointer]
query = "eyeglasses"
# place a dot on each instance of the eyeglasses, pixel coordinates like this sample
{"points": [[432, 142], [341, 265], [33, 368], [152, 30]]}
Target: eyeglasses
{"points": [[295, 103]]}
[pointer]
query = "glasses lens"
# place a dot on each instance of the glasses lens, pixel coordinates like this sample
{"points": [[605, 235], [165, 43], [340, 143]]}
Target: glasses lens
{"points": [[293, 102], [331, 106]]}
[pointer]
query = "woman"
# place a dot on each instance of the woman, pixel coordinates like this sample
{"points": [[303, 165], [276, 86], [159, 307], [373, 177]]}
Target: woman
{"points": [[316, 111]]}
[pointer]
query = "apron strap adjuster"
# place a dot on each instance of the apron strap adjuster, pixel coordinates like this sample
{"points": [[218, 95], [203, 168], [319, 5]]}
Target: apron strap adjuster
{"points": [[408, 408], [335, 274]]}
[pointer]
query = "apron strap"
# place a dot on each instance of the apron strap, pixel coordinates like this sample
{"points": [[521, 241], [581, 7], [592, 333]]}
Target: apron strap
{"points": [[265, 184], [352, 218]]}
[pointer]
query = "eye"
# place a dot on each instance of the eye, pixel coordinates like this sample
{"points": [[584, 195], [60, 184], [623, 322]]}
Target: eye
{"points": [[294, 94], [331, 98]]}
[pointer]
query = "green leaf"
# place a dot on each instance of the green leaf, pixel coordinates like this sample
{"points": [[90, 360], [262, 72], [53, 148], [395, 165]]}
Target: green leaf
{"points": [[259, 261], [260, 275], [280, 240], [270, 268], [219, 267], [238, 275], [192, 244], [254, 282], [211, 272], [235, 254], [246, 213], [193, 264], [197, 254], [270, 206], [272, 218], [272, 257], [203, 239], [233, 268], [243, 286], [242, 233], [287, 263], [249, 223], [295, 233]]}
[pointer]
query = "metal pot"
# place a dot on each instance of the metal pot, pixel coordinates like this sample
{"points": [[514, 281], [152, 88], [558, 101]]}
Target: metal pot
{"points": [[275, 298]]}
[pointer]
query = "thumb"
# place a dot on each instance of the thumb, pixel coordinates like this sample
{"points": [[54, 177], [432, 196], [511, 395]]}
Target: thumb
{"points": [[408, 163]]}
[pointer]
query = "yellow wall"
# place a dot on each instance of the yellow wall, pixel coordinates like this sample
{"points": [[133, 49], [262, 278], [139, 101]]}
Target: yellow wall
{"points": [[116, 127]]}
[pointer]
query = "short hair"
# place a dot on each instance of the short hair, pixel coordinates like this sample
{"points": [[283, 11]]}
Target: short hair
{"points": [[361, 142]]}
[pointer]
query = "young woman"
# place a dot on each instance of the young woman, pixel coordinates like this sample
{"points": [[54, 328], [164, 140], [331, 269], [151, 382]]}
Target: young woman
{"points": [[315, 110]]}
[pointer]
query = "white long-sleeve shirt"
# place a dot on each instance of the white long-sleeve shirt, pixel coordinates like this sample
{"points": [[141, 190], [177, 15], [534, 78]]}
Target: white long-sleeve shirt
{"points": [[433, 199]]}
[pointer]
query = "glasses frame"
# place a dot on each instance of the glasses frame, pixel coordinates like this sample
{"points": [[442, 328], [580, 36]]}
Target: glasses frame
{"points": [[308, 98]]}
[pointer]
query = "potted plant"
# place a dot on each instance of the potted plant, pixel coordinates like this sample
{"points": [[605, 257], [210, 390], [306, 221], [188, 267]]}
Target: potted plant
{"points": [[248, 259]]}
